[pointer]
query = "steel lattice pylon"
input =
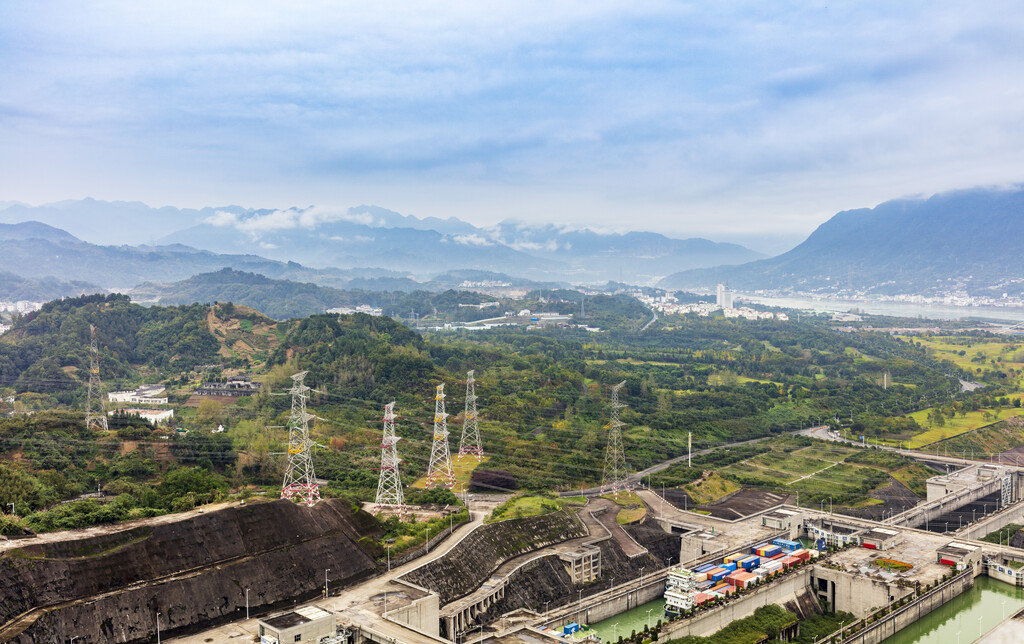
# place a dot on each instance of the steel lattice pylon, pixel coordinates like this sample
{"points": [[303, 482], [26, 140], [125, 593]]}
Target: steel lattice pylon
{"points": [[95, 410], [470, 443], [439, 472], [389, 488], [615, 477], [299, 480]]}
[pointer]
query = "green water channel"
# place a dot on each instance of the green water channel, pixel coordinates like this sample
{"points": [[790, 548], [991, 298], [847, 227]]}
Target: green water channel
{"points": [[635, 618], [989, 600]]}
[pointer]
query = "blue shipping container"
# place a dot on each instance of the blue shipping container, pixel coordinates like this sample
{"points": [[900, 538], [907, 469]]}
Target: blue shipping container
{"points": [[750, 563], [705, 568], [731, 566], [720, 575], [786, 544]]}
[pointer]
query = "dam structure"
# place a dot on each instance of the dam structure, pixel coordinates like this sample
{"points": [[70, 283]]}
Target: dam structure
{"points": [[516, 580]]}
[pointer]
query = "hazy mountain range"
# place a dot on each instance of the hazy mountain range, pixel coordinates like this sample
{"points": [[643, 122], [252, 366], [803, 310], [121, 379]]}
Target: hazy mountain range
{"points": [[965, 240], [79, 240], [961, 241]]}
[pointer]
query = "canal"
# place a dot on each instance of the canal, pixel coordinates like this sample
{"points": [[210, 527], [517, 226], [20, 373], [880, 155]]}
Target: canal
{"points": [[989, 600], [633, 619], [965, 618]]}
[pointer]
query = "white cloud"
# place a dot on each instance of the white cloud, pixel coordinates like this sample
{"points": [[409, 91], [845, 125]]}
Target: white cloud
{"points": [[222, 218], [685, 116], [472, 240]]}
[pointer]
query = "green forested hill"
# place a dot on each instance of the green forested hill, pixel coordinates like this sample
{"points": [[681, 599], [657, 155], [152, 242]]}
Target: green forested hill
{"points": [[48, 350], [543, 395]]}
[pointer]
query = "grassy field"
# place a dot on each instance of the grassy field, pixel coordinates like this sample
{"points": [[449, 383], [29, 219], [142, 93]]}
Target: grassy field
{"points": [[530, 506], [711, 489], [820, 471], [954, 426], [463, 467], [977, 353]]}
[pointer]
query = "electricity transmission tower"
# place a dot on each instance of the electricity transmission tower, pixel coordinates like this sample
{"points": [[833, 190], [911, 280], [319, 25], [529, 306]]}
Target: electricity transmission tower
{"points": [[389, 488], [95, 410], [299, 480], [440, 472], [615, 477], [470, 443]]}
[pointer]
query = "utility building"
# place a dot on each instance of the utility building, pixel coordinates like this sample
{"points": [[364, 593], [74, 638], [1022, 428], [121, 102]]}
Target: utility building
{"points": [[306, 624]]}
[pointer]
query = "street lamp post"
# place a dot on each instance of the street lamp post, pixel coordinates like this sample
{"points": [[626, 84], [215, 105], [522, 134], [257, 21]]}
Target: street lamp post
{"points": [[579, 611], [158, 628], [642, 577], [615, 630], [327, 592], [546, 606], [649, 618], [247, 603]]}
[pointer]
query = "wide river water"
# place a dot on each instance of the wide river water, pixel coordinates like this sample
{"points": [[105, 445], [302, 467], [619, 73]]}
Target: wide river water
{"points": [[896, 309]]}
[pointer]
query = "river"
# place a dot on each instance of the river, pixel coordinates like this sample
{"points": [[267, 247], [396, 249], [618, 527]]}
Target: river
{"points": [[896, 309]]}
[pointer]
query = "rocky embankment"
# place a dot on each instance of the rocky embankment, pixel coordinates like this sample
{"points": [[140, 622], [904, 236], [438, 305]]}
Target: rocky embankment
{"points": [[194, 572], [469, 563]]}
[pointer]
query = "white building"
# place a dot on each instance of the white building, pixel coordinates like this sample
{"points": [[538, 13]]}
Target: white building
{"points": [[155, 416], [144, 395], [4, 328], [680, 589]]}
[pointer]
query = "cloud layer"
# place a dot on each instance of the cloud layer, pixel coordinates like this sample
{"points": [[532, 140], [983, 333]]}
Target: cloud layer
{"points": [[697, 118]]}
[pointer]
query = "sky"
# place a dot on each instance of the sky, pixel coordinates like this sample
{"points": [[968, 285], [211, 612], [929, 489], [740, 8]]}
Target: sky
{"points": [[728, 120]]}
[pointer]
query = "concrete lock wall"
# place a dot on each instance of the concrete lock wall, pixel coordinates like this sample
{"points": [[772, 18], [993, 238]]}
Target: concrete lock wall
{"points": [[422, 615], [903, 617], [1013, 514], [711, 621], [653, 588], [854, 593]]}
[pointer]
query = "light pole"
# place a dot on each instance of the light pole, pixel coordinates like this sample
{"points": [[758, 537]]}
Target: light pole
{"points": [[642, 577], [649, 618], [388, 544], [385, 604], [579, 612], [75, 637], [158, 628], [247, 603], [327, 592], [615, 630], [549, 601], [613, 585]]}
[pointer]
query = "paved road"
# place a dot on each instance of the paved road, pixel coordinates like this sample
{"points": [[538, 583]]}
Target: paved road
{"points": [[653, 320]]}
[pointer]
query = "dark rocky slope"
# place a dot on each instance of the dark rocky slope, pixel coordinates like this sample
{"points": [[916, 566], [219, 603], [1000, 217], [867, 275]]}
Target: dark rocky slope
{"points": [[193, 571]]}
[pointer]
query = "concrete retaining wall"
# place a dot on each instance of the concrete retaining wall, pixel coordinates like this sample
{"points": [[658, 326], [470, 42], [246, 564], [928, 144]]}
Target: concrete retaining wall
{"points": [[1012, 514], [711, 621], [907, 615]]}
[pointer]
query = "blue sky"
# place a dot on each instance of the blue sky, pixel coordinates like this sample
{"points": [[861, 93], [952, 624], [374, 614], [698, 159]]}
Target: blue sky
{"points": [[706, 118]]}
